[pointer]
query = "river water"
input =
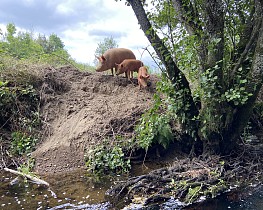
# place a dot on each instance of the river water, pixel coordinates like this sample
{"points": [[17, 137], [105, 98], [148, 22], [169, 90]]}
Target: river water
{"points": [[79, 191]]}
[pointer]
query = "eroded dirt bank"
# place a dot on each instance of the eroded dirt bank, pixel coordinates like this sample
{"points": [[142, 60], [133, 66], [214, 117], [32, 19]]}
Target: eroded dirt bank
{"points": [[80, 109]]}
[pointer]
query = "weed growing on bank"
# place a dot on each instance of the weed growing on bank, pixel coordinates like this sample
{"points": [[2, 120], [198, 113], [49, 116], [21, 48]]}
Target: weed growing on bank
{"points": [[107, 158]]}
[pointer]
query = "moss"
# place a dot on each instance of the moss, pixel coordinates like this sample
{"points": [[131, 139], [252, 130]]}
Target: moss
{"points": [[193, 194]]}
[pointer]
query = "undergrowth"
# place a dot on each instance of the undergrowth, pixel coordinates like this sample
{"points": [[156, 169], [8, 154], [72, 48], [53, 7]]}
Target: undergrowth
{"points": [[156, 124], [107, 158], [19, 107]]}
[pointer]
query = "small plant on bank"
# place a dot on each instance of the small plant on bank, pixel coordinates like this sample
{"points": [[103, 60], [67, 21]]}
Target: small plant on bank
{"points": [[22, 143], [26, 168], [106, 158]]}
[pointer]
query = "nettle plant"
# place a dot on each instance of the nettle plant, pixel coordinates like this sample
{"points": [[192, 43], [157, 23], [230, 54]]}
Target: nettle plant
{"points": [[107, 158], [22, 143]]}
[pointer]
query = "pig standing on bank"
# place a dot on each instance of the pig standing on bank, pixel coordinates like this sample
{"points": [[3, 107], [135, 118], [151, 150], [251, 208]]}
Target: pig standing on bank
{"points": [[128, 66], [143, 77], [112, 56]]}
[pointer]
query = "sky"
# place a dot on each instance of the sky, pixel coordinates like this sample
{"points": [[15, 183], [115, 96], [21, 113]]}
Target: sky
{"points": [[80, 24]]}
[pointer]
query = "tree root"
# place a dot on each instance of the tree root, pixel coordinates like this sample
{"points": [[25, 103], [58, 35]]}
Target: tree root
{"points": [[189, 179]]}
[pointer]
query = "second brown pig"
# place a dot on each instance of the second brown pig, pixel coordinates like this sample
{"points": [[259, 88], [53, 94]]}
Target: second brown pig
{"points": [[128, 66]]}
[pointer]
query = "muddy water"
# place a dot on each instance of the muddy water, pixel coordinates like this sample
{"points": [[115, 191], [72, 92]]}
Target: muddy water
{"points": [[67, 191], [79, 191], [76, 190]]}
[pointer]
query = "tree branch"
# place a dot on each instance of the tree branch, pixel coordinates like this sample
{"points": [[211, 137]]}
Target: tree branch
{"points": [[191, 20], [154, 39], [243, 113], [188, 16], [249, 44], [214, 12], [250, 36], [174, 73]]}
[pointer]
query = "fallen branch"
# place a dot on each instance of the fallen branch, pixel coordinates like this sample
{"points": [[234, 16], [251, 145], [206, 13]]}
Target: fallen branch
{"points": [[35, 179]]}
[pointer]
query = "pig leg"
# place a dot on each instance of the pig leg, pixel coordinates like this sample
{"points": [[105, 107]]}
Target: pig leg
{"points": [[129, 76], [112, 72], [139, 86], [132, 74]]}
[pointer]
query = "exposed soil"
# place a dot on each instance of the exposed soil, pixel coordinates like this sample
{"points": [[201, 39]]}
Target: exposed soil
{"points": [[80, 109]]}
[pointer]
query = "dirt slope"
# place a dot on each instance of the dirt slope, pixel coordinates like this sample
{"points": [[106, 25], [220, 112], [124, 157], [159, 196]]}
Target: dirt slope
{"points": [[81, 109]]}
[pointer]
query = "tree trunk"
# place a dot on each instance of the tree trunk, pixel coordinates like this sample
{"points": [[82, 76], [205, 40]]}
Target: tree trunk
{"points": [[243, 113], [175, 75]]}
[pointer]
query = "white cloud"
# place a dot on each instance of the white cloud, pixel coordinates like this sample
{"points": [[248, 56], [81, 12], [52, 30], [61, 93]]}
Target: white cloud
{"points": [[81, 24], [122, 25], [64, 9], [28, 2]]}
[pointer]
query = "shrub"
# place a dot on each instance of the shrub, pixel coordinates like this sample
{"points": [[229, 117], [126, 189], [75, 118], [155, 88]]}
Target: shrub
{"points": [[105, 159], [22, 143]]}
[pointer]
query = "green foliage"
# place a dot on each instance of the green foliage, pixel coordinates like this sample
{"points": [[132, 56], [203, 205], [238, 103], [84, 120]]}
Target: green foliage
{"points": [[26, 168], [18, 106], [21, 143], [214, 190], [42, 50], [193, 194], [238, 94], [54, 44], [214, 99], [154, 126], [20, 45], [106, 158], [161, 14]]}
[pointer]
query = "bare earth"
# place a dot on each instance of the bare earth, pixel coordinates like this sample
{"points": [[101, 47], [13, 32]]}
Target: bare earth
{"points": [[80, 109]]}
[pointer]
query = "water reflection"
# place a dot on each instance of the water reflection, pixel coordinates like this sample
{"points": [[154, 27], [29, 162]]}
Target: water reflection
{"points": [[78, 191], [68, 191]]}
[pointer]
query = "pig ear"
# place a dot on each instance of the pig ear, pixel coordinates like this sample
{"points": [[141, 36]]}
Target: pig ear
{"points": [[103, 58]]}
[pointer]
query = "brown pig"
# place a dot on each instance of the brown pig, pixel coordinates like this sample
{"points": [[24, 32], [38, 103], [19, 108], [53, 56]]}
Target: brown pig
{"points": [[143, 77], [128, 66], [112, 56]]}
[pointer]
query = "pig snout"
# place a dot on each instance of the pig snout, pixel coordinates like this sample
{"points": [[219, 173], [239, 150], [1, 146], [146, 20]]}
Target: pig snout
{"points": [[99, 68], [101, 64], [119, 68], [143, 81]]}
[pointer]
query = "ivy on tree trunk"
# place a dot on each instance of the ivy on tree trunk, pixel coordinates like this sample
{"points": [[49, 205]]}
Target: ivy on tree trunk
{"points": [[174, 73]]}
